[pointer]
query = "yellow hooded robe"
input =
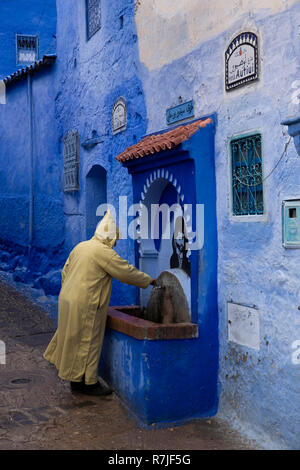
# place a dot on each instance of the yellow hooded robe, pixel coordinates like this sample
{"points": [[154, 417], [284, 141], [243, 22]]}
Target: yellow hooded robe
{"points": [[83, 302]]}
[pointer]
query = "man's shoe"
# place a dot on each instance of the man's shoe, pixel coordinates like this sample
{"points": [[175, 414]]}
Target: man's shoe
{"points": [[77, 386], [96, 390]]}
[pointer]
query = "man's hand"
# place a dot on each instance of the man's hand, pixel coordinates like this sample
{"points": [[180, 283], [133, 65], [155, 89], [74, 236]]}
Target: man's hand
{"points": [[153, 282]]}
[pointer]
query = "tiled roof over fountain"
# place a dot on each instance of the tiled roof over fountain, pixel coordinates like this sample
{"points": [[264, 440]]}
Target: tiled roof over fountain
{"points": [[164, 141]]}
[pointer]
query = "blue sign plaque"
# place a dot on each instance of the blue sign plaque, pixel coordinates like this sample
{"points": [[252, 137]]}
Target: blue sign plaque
{"points": [[180, 112]]}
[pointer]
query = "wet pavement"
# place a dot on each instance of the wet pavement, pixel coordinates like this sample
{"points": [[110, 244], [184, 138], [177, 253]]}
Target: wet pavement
{"points": [[38, 410]]}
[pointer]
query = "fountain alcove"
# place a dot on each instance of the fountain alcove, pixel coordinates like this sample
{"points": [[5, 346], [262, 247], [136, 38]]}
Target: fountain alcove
{"points": [[166, 372]]}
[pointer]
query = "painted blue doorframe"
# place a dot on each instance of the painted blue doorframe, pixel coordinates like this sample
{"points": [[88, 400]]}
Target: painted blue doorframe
{"points": [[174, 380]]}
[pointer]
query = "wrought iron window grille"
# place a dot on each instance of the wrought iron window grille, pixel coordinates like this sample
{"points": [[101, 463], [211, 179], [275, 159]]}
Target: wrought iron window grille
{"points": [[247, 176], [71, 161], [93, 17], [26, 49]]}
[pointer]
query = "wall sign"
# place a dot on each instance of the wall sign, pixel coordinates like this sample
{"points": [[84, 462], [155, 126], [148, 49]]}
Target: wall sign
{"points": [[71, 161], [241, 61], [119, 116], [180, 112], [243, 325]]}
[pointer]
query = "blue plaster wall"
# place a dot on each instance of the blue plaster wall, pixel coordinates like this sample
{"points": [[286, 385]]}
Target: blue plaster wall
{"points": [[259, 394], [15, 173], [259, 390], [93, 74], [162, 382], [14, 187], [32, 17]]}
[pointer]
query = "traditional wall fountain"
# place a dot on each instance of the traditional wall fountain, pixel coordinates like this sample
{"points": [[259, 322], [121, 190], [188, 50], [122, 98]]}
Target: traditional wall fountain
{"points": [[161, 355]]}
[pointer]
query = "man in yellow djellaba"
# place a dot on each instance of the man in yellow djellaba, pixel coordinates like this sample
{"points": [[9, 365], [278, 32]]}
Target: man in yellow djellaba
{"points": [[83, 304]]}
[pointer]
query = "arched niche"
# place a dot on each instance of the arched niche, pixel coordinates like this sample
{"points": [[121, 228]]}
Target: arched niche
{"points": [[155, 255]]}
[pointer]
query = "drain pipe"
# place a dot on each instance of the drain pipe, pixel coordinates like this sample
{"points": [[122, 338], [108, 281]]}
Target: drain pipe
{"points": [[31, 159]]}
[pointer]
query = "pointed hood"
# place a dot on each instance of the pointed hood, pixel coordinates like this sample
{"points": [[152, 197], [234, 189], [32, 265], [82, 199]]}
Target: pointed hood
{"points": [[107, 231]]}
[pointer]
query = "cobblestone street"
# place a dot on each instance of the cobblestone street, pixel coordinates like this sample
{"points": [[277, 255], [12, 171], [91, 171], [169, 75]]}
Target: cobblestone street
{"points": [[38, 411]]}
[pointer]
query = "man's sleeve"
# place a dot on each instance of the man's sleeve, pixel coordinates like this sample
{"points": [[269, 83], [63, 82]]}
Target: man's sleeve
{"points": [[120, 269]]}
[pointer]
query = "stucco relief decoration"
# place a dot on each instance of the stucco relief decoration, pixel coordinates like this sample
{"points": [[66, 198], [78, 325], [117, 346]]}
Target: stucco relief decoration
{"points": [[119, 116], [241, 61], [71, 161]]}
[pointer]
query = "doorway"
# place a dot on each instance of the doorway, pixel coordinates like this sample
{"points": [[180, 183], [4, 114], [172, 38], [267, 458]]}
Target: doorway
{"points": [[96, 194]]}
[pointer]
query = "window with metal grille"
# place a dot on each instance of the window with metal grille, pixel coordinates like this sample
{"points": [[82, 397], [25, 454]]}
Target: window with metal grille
{"points": [[71, 161], [93, 17], [247, 175], [27, 49]]}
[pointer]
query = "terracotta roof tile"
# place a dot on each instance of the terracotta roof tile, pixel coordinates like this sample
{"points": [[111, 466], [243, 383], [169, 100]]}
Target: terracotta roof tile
{"points": [[37, 65], [167, 140]]}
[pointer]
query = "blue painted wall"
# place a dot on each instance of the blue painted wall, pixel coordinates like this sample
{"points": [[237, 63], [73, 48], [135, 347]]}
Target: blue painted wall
{"points": [[15, 174], [161, 382], [258, 389], [73, 95], [258, 394], [93, 75], [29, 17]]}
